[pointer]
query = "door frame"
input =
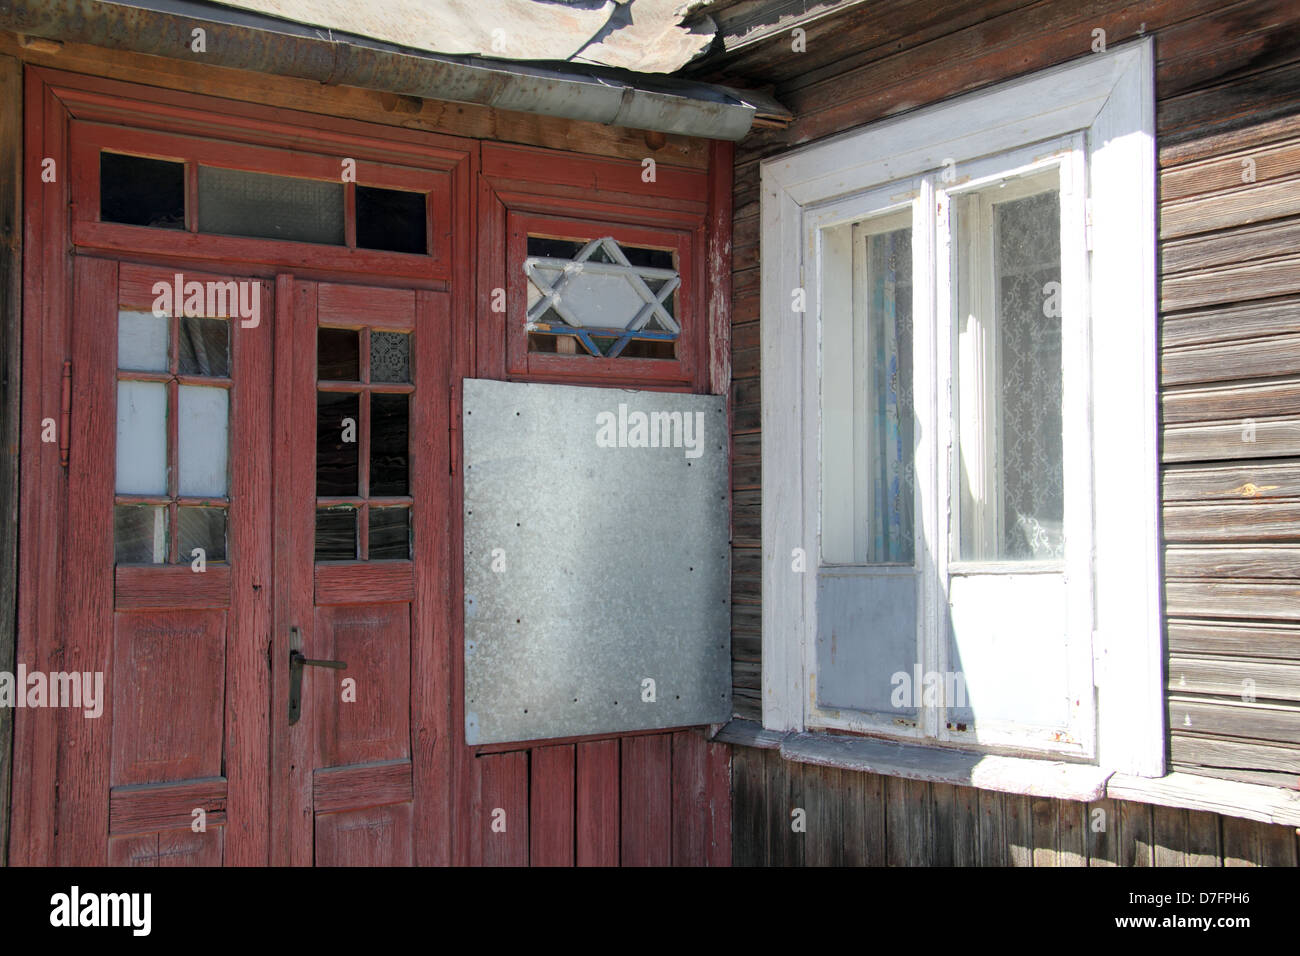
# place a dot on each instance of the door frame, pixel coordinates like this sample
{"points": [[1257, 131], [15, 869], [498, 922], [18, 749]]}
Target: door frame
{"points": [[53, 100]]}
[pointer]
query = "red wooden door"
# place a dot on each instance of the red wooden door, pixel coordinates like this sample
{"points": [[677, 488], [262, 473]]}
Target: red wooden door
{"points": [[223, 517], [361, 570]]}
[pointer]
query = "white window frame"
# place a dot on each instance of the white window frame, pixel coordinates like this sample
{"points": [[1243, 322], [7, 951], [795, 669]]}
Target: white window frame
{"points": [[1107, 101]]}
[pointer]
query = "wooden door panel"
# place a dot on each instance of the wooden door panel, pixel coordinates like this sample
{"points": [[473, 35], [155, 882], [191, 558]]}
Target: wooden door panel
{"points": [[169, 686], [376, 836], [368, 721], [169, 848]]}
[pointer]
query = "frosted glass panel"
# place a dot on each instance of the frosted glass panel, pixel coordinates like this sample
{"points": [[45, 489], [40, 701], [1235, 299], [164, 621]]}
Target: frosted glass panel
{"points": [[141, 438], [203, 440], [263, 206], [141, 341]]}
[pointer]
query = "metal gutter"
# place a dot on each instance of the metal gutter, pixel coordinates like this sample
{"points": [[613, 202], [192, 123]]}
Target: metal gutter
{"points": [[262, 44]]}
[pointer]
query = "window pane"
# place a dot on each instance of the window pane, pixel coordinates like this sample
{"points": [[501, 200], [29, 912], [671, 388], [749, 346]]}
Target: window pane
{"points": [[140, 534], [202, 432], [389, 533], [1009, 373], [141, 342], [868, 426], [141, 438], [262, 206], [391, 219], [888, 423], [204, 346], [203, 528], [390, 357], [336, 534], [141, 192], [338, 357], [338, 431], [389, 456]]}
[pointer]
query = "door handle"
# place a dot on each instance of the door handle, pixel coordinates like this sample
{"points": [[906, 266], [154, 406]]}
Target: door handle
{"points": [[297, 661]]}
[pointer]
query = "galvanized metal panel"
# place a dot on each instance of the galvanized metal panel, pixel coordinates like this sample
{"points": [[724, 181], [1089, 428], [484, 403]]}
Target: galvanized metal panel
{"points": [[592, 564]]}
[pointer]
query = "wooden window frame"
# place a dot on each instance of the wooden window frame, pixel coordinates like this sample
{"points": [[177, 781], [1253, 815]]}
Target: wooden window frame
{"points": [[529, 191], [1109, 100]]}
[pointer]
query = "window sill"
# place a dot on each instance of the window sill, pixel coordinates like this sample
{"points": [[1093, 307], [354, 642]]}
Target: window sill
{"points": [[1253, 801], [962, 768], [1035, 777]]}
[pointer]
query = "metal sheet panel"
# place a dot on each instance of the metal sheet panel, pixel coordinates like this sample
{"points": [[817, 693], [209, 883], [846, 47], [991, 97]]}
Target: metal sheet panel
{"points": [[592, 564]]}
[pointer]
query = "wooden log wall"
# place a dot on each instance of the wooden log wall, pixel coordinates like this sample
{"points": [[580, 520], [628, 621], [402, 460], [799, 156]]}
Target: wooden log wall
{"points": [[1228, 121], [862, 819]]}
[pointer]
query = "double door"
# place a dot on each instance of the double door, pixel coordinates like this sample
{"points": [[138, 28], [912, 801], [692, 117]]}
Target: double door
{"points": [[258, 565]]}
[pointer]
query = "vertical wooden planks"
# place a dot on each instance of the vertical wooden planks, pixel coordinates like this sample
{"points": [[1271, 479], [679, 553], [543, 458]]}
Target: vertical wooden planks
{"points": [[1169, 835], [551, 806], [824, 843], [647, 800], [717, 793], [1045, 830], [1203, 846], [597, 803], [1135, 830], [749, 807], [897, 831], [965, 826], [503, 814], [11, 204], [992, 817], [785, 796], [1019, 829], [1102, 836]]}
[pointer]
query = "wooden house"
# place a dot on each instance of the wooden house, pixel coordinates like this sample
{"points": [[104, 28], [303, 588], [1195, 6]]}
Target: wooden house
{"points": [[366, 390]]}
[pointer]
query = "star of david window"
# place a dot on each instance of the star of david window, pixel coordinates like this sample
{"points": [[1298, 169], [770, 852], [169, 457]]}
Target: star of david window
{"points": [[600, 298]]}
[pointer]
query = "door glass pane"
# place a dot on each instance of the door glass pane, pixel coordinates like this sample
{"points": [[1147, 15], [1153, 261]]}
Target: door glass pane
{"points": [[389, 533], [205, 346], [390, 357], [263, 206], [141, 438], [868, 426], [202, 433], [202, 528], [141, 342], [140, 534], [336, 534], [338, 358], [338, 432], [1009, 384], [388, 444]]}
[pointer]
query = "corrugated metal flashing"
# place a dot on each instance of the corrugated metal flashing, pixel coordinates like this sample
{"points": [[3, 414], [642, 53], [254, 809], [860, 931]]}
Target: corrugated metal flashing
{"points": [[253, 41]]}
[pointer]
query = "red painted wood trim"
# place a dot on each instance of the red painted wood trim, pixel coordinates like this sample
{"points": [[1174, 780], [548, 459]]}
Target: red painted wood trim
{"points": [[342, 305], [361, 785], [690, 811], [168, 806], [175, 586], [43, 483], [717, 275], [717, 792], [432, 640], [597, 803], [546, 166], [84, 758], [551, 823], [250, 622], [362, 582], [647, 800]]}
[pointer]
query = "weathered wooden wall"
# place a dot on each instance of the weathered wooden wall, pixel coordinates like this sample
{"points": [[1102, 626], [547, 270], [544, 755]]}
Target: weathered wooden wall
{"points": [[861, 819], [11, 139], [1228, 91]]}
